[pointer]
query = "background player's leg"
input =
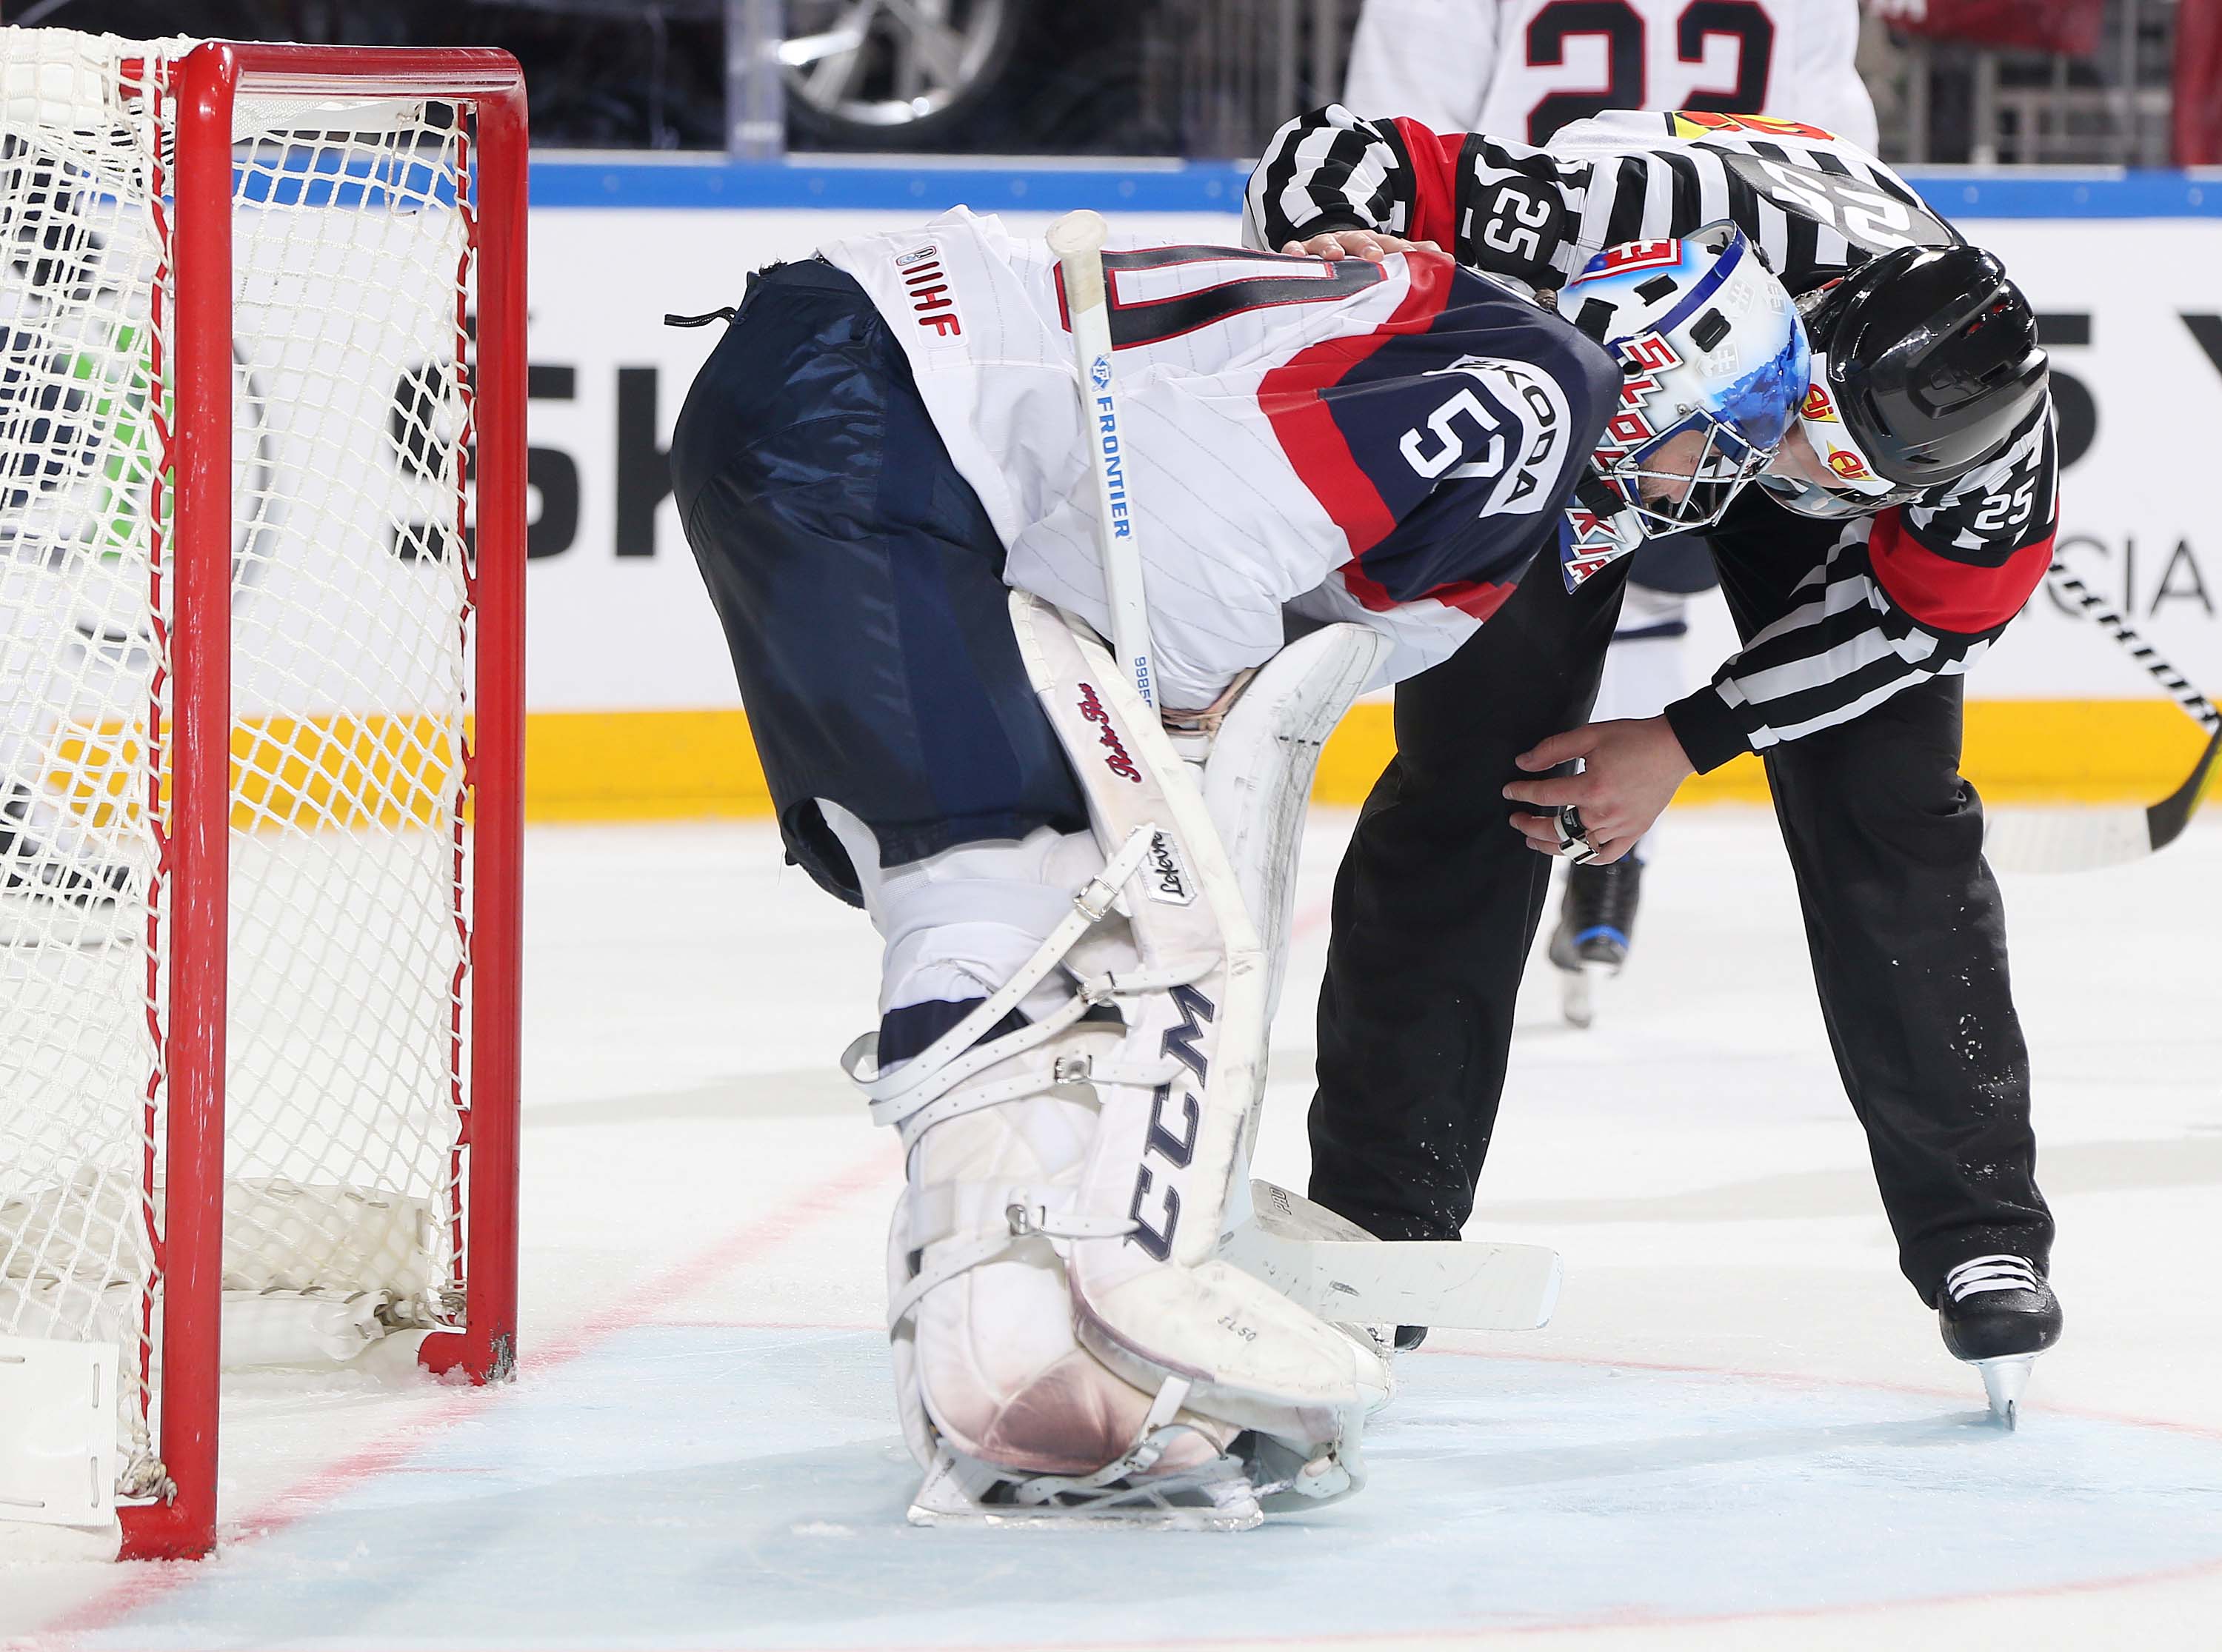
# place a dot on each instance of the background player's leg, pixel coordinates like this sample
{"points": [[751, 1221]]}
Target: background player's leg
{"points": [[1435, 905], [1907, 935]]}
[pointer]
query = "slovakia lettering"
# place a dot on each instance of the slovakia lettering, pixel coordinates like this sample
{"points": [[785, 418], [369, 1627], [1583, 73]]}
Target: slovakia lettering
{"points": [[1631, 426], [1593, 547]]}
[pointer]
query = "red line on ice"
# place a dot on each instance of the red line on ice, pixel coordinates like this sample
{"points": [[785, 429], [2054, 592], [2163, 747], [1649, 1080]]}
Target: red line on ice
{"points": [[744, 1244]]}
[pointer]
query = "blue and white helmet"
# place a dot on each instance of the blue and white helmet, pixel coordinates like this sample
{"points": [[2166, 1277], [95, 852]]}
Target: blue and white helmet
{"points": [[1709, 344]]}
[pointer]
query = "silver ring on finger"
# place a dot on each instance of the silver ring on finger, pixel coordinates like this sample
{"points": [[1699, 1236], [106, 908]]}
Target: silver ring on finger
{"points": [[1574, 844]]}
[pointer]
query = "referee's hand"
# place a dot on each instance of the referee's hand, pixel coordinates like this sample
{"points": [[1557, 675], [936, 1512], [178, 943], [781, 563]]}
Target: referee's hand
{"points": [[1629, 773], [1372, 246]]}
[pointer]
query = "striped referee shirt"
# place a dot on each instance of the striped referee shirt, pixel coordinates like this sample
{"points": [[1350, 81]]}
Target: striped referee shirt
{"points": [[1914, 592]]}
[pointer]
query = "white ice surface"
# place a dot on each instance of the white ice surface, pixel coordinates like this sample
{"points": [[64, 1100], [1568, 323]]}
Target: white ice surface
{"points": [[1740, 1432]]}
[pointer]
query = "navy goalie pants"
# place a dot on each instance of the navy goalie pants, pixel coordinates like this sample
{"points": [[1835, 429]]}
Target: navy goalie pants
{"points": [[859, 582]]}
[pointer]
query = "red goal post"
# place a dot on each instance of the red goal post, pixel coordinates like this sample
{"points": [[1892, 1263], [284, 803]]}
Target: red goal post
{"points": [[208, 83], [294, 782]]}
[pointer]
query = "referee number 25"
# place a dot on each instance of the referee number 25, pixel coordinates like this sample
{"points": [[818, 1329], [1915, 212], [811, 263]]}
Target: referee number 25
{"points": [[1516, 220], [2004, 510]]}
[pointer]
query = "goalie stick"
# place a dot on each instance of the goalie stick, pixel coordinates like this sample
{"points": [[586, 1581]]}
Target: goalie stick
{"points": [[1077, 240], [1472, 1284], [2079, 840]]}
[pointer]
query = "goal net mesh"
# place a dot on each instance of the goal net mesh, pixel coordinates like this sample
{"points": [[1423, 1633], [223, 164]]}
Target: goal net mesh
{"points": [[351, 622]]}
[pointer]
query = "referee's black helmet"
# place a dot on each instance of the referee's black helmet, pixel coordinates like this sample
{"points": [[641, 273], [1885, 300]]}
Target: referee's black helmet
{"points": [[1931, 359]]}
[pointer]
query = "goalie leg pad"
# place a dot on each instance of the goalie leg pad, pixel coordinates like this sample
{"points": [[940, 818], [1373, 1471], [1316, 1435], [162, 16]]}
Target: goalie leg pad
{"points": [[986, 1361], [1257, 779], [1154, 1304], [1063, 1333]]}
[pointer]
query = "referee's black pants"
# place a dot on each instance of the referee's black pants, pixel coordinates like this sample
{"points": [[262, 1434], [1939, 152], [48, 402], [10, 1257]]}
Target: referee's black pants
{"points": [[1437, 901]]}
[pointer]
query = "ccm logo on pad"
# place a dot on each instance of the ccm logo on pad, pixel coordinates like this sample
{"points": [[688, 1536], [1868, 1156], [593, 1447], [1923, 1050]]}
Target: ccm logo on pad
{"points": [[1176, 1147]]}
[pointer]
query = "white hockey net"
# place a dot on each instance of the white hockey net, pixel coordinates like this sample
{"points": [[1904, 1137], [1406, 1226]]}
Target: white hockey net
{"points": [[351, 636]]}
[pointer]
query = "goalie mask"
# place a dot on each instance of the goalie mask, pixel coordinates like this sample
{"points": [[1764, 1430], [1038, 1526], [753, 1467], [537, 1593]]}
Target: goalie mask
{"points": [[1714, 364]]}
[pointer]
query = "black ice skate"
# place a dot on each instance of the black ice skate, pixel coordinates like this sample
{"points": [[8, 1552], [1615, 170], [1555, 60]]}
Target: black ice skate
{"points": [[1597, 917], [1998, 1314]]}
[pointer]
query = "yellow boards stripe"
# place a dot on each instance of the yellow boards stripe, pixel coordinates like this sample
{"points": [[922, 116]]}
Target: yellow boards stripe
{"points": [[659, 765], [303, 773], [2015, 751], [390, 770]]}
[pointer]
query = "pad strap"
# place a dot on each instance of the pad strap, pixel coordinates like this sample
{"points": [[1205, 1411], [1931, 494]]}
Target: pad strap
{"points": [[956, 1054], [1156, 1434], [921, 1116], [957, 1226], [940, 1211]]}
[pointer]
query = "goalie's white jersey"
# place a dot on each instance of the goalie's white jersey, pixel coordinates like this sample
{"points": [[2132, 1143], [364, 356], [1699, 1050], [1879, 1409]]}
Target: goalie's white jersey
{"points": [[1523, 69], [1389, 442]]}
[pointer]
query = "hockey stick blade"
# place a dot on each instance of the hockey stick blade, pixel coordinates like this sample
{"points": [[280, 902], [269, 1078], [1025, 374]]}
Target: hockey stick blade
{"points": [[1465, 1285], [2082, 840]]}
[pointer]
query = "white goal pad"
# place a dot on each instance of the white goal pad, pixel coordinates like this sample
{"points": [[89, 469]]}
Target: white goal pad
{"points": [[58, 1438]]}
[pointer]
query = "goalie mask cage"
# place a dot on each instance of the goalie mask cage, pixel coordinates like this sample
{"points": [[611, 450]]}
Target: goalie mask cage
{"points": [[261, 589]]}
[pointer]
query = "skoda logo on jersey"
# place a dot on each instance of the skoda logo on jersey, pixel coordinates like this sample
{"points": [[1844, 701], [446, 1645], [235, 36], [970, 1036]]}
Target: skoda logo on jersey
{"points": [[1099, 372]]}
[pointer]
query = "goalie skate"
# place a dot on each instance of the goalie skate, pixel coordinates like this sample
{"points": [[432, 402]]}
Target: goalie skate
{"points": [[1215, 1495]]}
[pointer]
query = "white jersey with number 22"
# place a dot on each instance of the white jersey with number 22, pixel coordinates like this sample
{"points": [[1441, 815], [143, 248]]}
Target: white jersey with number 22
{"points": [[1522, 69]]}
